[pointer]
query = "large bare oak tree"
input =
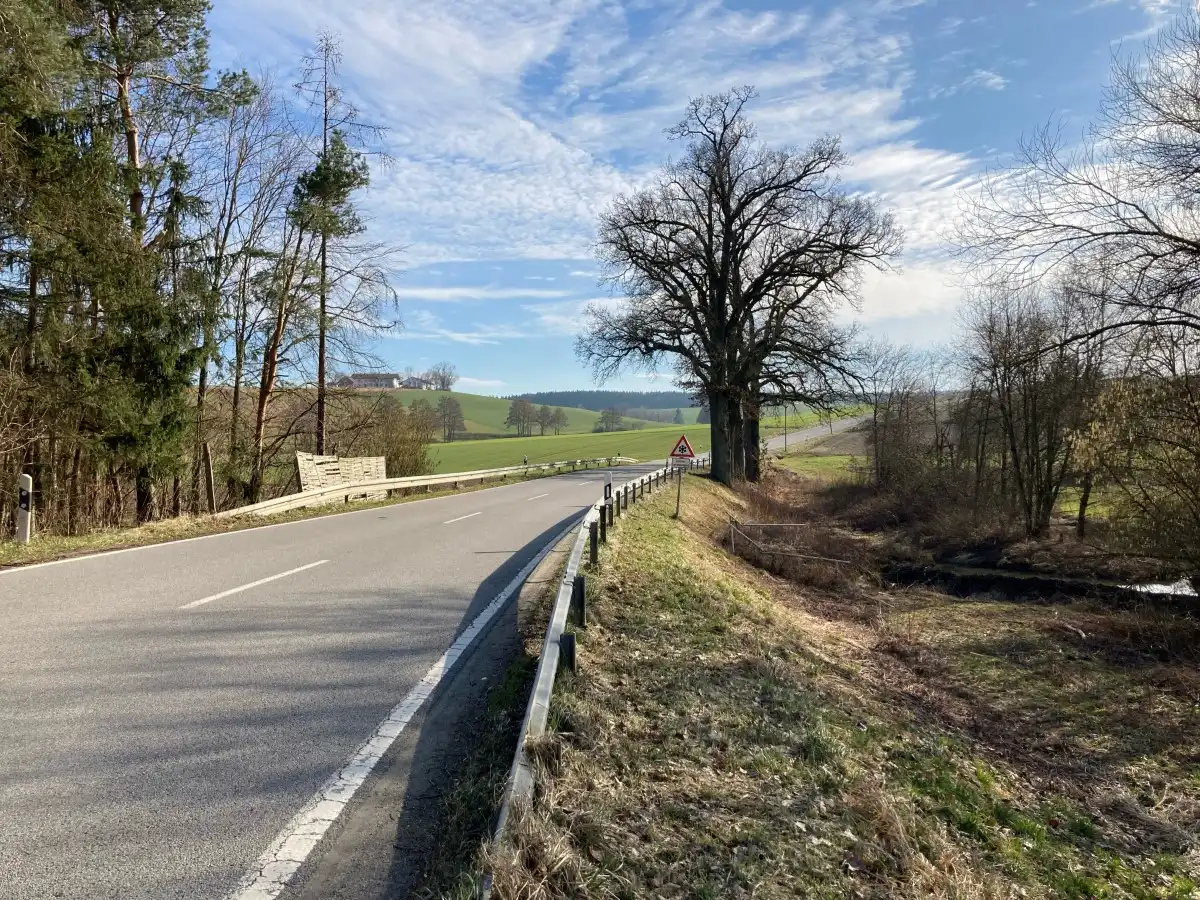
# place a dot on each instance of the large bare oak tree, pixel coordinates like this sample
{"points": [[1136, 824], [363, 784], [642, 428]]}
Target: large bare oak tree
{"points": [[731, 266]]}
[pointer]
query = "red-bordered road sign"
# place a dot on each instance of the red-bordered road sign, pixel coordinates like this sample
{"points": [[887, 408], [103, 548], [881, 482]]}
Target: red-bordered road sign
{"points": [[683, 449]]}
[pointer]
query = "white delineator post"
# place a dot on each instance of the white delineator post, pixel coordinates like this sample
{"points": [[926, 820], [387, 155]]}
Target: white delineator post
{"points": [[24, 508]]}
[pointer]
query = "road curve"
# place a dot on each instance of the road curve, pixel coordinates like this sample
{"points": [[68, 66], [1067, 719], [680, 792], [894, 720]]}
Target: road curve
{"points": [[167, 710]]}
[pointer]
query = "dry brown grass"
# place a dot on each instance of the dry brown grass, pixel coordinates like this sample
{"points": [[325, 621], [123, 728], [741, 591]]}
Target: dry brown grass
{"points": [[733, 733]]}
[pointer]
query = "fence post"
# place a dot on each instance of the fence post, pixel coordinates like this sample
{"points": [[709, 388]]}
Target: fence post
{"points": [[593, 537], [24, 508], [210, 493]]}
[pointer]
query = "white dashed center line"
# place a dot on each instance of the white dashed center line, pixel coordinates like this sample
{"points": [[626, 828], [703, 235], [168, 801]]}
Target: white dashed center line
{"points": [[460, 518], [539, 496], [253, 584]]}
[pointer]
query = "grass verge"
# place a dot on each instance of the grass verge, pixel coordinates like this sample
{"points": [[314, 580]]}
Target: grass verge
{"points": [[470, 808], [733, 735]]}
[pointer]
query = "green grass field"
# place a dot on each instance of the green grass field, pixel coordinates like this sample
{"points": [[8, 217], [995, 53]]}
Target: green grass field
{"points": [[648, 443], [690, 413], [486, 415]]}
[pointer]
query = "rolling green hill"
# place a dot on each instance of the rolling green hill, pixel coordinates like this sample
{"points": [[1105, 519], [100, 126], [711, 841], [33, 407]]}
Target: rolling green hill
{"points": [[486, 415], [648, 443]]}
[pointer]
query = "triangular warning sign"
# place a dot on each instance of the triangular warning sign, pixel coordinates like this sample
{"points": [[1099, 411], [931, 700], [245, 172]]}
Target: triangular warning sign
{"points": [[683, 450]]}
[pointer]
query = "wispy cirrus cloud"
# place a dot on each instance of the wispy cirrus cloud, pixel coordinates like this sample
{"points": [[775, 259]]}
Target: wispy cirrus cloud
{"points": [[466, 293], [423, 325]]}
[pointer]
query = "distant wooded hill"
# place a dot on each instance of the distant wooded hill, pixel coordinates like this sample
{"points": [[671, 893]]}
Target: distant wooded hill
{"points": [[601, 400]]}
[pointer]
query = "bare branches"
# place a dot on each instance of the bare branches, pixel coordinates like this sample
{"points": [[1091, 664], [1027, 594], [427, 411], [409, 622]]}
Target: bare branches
{"points": [[1123, 201], [732, 265]]}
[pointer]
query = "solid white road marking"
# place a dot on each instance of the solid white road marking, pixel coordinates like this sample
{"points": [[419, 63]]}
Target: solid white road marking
{"points": [[253, 584], [460, 518], [539, 496], [268, 877]]}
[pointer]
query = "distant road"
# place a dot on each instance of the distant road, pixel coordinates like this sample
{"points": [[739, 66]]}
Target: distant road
{"points": [[167, 710], [795, 438]]}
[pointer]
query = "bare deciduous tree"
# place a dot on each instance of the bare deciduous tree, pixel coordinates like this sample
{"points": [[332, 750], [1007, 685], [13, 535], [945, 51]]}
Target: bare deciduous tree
{"points": [[443, 375], [736, 251]]}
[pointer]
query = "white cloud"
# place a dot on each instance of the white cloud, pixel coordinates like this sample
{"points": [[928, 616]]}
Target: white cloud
{"points": [[921, 186], [914, 290], [466, 381], [488, 167], [985, 78], [565, 318], [425, 326], [458, 294]]}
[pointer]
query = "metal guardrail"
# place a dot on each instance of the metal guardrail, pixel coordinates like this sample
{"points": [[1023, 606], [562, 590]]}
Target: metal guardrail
{"points": [[604, 514], [346, 491]]}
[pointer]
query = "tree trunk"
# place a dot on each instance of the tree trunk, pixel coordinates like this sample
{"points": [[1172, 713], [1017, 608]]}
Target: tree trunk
{"points": [[1085, 497], [751, 432], [144, 488], [718, 404], [201, 394], [73, 496], [321, 328], [737, 440]]}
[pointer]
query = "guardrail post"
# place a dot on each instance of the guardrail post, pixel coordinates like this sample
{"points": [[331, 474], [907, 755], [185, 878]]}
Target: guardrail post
{"points": [[579, 601], [616, 508], [24, 508], [566, 651], [593, 538], [603, 524], [612, 518]]}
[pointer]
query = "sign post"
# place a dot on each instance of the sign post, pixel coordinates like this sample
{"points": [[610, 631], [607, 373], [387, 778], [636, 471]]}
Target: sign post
{"points": [[683, 450], [24, 508]]}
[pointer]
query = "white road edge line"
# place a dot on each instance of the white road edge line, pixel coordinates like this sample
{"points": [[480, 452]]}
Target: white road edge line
{"points": [[539, 497], [253, 584], [282, 860], [460, 518]]}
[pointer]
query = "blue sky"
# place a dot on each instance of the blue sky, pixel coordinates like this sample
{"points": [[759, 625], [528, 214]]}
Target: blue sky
{"points": [[513, 122]]}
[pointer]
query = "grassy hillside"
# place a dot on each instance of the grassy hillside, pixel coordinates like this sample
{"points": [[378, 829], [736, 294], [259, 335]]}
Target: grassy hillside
{"points": [[486, 415], [649, 443], [690, 413]]}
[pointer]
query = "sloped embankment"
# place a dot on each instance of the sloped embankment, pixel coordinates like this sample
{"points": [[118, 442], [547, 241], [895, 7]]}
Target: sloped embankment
{"points": [[733, 735]]}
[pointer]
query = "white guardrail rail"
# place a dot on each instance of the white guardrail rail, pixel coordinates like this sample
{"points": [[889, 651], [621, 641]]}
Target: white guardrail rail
{"points": [[346, 491]]}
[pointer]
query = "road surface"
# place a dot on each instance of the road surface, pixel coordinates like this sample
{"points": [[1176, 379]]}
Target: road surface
{"points": [[796, 438], [166, 711]]}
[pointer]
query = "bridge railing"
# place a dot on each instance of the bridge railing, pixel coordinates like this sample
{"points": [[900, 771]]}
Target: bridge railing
{"points": [[457, 479]]}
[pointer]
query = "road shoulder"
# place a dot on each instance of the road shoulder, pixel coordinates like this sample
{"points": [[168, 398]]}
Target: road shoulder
{"points": [[417, 823]]}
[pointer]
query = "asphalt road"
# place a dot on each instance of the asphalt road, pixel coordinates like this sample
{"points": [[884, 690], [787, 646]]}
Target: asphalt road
{"points": [[166, 711], [161, 726], [796, 438]]}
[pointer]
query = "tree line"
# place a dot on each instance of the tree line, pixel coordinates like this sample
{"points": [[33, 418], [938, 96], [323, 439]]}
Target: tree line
{"points": [[523, 416], [182, 263], [1076, 369], [599, 400]]}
